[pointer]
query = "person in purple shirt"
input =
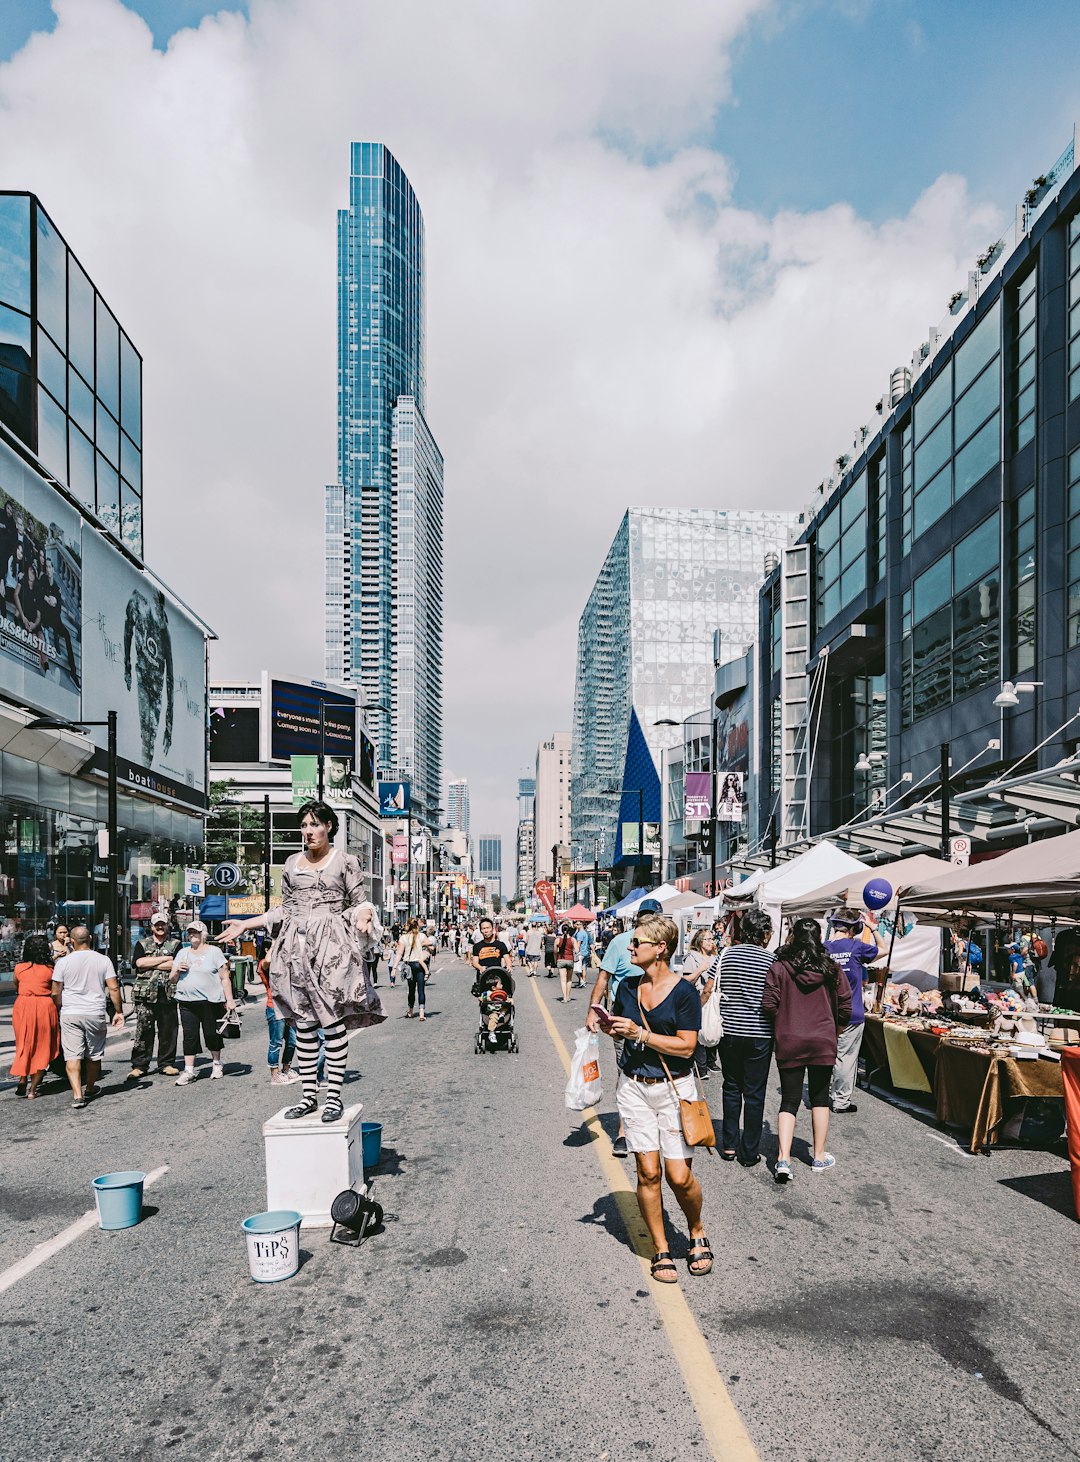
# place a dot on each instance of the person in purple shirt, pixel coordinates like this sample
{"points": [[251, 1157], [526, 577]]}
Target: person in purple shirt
{"points": [[852, 953]]}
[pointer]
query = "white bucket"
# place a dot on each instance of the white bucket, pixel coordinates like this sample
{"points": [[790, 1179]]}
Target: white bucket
{"points": [[273, 1245]]}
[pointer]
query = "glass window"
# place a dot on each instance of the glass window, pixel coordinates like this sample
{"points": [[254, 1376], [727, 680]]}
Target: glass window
{"points": [[81, 402], [108, 496], [977, 350], [15, 339], [828, 532], [933, 454], [81, 466], [15, 252], [17, 402], [52, 436], [80, 321], [932, 405], [853, 503], [52, 368], [1023, 329], [976, 554], [932, 588], [934, 500], [51, 280], [976, 405], [130, 390], [107, 436], [1022, 619], [107, 383], [130, 462], [130, 519], [976, 459]]}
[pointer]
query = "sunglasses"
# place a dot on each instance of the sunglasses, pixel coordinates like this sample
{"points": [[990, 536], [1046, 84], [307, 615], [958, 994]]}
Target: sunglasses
{"points": [[637, 943]]}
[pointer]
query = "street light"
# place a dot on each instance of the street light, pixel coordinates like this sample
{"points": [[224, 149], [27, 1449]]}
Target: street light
{"points": [[112, 866], [1011, 691]]}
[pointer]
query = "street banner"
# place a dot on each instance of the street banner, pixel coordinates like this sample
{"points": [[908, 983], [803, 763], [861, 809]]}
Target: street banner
{"points": [[394, 799], [337, 780], [401, 850], [630, 839], [697, 795], [419, 848], [732, 799], [545, 892]]}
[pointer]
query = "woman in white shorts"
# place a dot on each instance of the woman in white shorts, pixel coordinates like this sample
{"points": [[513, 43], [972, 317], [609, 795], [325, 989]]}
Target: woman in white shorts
{"points": [[648, 1104]]}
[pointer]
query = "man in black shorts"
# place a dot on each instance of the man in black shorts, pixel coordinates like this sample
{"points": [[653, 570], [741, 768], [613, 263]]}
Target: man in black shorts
{"points": [[488, 954], [550, 938]]}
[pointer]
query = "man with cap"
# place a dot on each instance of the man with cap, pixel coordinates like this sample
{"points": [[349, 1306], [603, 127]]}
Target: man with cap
{"points": [[155, 1008], [853, 950], [614, 968]]}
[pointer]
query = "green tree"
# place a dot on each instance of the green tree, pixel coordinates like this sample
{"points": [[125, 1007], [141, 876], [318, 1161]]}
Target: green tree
{"points": [[234, 831]]}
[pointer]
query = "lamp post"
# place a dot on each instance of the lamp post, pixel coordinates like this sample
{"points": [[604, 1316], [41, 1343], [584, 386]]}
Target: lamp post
{"points": [[112, 864]]}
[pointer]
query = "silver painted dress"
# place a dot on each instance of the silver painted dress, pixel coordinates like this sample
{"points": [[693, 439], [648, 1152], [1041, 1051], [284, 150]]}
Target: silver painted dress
{"points": [[317, 969]]}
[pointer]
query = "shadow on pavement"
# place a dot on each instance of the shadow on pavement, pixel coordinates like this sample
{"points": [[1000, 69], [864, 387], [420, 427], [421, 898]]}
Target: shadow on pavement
{"points": [[1053, 1190], [390, 1164]]}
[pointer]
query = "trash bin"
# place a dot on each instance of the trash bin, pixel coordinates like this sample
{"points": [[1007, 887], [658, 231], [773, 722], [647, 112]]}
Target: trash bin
{"points": [[243, 970]]}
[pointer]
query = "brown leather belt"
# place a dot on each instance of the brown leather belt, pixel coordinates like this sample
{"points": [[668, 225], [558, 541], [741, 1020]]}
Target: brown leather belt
{"points": [[647, 1080]]}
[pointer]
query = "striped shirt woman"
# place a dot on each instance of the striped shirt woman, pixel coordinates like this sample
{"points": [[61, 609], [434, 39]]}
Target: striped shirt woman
{"points": [[746, 1047]]}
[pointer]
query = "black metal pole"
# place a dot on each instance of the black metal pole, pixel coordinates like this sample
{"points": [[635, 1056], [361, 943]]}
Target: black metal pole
{"points": [[946, 837], [641, 829], [772, 841], [712, 808], [408, 865], [113, 861], [322, 748], [266, 850]]}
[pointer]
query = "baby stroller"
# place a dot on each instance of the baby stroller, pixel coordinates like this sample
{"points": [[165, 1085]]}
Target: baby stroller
{"points": [[496, 1015]]}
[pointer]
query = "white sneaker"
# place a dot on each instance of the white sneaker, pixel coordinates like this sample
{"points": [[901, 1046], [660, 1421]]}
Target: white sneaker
{"points": [[216, 1071], [186, 1077]]}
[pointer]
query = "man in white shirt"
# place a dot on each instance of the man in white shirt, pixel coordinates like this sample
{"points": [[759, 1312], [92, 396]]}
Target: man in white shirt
{"points": [[80, 981]]}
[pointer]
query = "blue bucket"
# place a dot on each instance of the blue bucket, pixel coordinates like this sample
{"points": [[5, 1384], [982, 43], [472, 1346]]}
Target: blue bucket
{"points": [[119, 1199], [273, 1245], [371, 1138]]}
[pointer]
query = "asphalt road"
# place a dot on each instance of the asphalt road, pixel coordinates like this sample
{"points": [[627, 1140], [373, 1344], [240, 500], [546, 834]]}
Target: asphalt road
{"points": [[914, 1303]]}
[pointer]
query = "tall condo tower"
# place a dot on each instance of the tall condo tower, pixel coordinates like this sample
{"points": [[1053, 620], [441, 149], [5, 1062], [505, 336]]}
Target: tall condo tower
{"points": [[384, 516]]}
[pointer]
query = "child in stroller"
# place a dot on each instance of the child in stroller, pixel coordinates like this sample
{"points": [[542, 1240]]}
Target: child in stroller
{"points": [[494, 990]]}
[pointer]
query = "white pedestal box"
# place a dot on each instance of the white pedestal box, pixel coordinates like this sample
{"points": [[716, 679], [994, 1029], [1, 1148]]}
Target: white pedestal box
{"points": [[309, 1162]]}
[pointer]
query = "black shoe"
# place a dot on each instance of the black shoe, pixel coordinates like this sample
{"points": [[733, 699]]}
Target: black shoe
{"points": [[752, 1163], [851, 1107], [726, 1156], [333, 1111], [618, 1147], [302, 1109]]}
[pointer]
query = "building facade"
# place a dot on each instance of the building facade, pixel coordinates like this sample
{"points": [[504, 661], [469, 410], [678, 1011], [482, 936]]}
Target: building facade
{"points": [[457, 805], [552, 806], [526, 837], [646, 656], [86, 628], [384, 586], [942, 560], [489, 862]]}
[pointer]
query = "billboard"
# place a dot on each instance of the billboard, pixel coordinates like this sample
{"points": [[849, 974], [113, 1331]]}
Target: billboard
{"points": [[337, 780], [41, 575], [294, 721], [365, 763], [394, 799], [145, 658], [697, 795], [731, 798]]}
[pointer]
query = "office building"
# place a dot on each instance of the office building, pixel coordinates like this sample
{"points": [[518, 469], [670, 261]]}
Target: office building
{"points": [[526, 837], [928, 618], [552, 805], [383, 517], [646, 655], [457, 805], [111, 637], [489, 863]]}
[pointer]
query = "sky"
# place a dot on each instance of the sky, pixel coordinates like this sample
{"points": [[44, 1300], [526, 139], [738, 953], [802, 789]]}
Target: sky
{"points": [[673, 253]]}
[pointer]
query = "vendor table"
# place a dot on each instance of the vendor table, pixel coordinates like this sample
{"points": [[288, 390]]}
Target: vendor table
{"points": [[971, 1088]]}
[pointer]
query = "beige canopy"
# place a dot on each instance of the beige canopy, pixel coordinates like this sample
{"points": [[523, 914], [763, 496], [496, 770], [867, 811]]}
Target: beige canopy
{"points": [[847, 890], [1038, 879]]}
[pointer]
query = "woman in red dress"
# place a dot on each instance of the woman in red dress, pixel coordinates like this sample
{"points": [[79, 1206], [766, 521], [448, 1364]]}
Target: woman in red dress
{"points": [[34, 1016]]}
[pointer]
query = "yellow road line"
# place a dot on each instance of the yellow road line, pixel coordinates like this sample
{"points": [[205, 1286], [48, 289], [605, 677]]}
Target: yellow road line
{"points": [[724, 1430]]}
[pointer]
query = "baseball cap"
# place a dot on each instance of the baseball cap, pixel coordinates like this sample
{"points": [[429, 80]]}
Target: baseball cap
{"points": [[159, 919], [197, 924], [649, 906]]}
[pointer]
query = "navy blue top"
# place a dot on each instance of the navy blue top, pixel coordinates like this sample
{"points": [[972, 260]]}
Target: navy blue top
{"points": [[680, 1010]]}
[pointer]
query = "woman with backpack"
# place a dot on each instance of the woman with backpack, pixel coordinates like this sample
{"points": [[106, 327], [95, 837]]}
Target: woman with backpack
{"points": [[809, 1000], [564, 959], [411, 956]]}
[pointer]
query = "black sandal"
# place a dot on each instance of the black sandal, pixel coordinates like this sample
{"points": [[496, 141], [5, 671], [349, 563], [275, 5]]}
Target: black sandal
{"points": [[660, 1261], [302, 1109], [332, 1110], [699, 1253]]}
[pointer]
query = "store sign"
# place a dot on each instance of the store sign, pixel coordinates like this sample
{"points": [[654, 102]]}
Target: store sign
{"points": [[697, 795], [960, 851], [194, 882], [227, 875], [245, 905]]}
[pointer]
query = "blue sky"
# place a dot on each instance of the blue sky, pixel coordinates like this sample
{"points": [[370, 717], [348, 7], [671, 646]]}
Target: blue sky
{"points": [[20, 18]]}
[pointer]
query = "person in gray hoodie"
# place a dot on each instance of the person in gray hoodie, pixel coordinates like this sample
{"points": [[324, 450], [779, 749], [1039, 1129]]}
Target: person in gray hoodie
{"points": [[809, 1002]]}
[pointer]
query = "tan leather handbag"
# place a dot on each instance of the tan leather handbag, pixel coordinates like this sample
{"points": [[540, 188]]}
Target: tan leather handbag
{"points": [[694, 1117]]}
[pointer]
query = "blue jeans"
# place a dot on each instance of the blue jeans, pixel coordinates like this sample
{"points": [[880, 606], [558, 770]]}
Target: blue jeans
{"points": [[745, 1064], [282, 1039]]}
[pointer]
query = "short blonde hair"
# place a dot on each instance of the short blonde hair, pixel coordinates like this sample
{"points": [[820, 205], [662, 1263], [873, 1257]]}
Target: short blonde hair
{"points": [[663, 931]]}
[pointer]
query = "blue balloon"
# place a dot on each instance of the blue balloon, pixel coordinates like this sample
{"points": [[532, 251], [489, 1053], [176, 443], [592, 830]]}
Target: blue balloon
{"points": [[877, 893]]}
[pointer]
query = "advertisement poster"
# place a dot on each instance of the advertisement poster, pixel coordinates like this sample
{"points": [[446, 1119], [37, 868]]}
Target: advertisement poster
{"points": [[697, 795], [400, 850], [394, 799], [630, 839], [144, 658], [40, 592], [545, 892], [294, 721], [337, 780], [731, 800]]}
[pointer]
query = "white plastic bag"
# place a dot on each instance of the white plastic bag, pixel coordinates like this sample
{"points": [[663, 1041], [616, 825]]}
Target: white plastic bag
{"points": [[584, 1088], [712, 1021]]}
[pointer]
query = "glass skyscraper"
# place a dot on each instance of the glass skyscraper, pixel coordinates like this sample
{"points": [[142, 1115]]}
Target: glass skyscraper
{"points": [[384, 587], [671, 579]]}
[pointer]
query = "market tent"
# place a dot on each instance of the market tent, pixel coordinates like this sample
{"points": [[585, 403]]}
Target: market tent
{"points": [[578, 914], [681, 901], [847, 890], [1040, 878], [822, 863], [627, 907]]}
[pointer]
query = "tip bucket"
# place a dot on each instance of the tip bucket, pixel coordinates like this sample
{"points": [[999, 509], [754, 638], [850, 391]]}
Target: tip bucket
{"points": [[119, 1199], [273, 1245], [371, 1140]]}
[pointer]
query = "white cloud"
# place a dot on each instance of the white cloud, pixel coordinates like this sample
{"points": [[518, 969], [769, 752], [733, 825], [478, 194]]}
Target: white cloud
{"points": [[601, 331]]}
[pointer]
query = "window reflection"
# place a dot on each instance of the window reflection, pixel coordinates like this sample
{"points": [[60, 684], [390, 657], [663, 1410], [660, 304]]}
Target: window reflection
{"points": [[80, 321], [81, 466], [51, 280], [15, 252], [107, 383], [52, 436], [130, 390]]}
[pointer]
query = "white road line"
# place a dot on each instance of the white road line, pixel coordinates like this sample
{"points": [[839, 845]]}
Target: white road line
{"points": [[41, 1253], [949, 1142]]}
